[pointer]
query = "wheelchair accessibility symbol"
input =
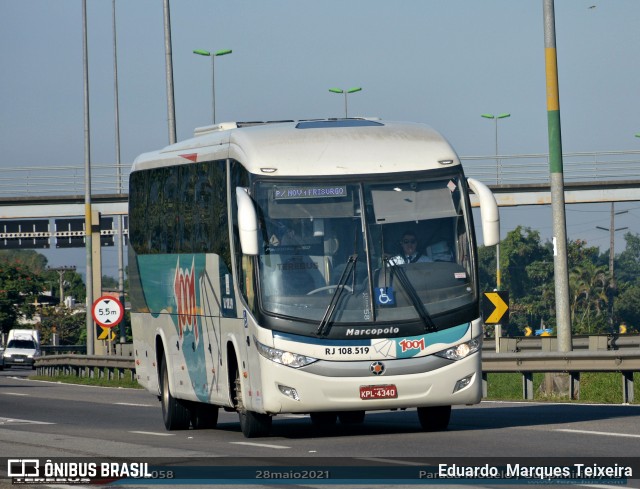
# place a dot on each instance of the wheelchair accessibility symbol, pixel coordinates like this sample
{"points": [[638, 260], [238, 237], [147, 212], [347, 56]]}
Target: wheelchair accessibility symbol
{"points": [[385, 296]]}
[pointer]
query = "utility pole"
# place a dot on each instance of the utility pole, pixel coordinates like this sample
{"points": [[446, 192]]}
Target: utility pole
{"points": [[61, 271], [560, 261], [171, 107], [611, 290]]}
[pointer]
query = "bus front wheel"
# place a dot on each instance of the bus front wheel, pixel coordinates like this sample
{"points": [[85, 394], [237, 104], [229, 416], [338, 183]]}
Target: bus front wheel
{"points": [[434, 418], [174, 413], [253, 425]]}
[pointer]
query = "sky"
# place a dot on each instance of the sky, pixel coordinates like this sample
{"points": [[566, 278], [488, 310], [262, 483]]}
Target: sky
{"points": [[440, 62]]}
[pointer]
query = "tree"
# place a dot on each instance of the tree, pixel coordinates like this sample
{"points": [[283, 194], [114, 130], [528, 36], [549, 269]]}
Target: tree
{"points": [[66, 323], [520, 249], [31, 259], [588, 284], [627, 265], [19, 288], [628, 306], [527, 271]]}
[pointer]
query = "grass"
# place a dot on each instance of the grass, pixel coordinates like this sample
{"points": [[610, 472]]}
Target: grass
{"points": [[595, 387], [99, 378]]}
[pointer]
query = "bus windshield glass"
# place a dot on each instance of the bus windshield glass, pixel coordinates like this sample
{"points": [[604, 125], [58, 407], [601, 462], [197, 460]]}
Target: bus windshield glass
{"points": [[346, 253]]}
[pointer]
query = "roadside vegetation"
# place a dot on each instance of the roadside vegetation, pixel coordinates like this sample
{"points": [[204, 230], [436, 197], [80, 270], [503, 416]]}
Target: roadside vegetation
{"points": [[30, 291], [595, 387], [599, 303], [99, 379]]}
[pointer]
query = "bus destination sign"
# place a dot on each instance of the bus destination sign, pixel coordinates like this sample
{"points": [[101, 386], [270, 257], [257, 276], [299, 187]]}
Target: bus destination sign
{"points": [[309, 192]]}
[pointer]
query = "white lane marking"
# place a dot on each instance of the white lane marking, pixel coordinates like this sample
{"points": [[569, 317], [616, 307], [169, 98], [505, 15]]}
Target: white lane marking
{"points": [[152, 433], [20, 421], [15, 394], [263, 445], [133, 404], [601, 433]]}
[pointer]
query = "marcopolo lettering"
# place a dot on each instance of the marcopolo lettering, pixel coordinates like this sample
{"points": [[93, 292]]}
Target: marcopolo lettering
{"points": [[372, 331]]}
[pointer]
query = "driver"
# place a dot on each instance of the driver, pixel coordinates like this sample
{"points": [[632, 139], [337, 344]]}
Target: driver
{"points": [[410, 253]]}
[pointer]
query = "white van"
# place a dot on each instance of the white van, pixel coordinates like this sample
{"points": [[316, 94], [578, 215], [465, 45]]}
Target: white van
{"points": [[23, 347]]}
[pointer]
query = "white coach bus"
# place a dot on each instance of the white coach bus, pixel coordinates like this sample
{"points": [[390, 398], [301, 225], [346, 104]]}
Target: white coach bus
{"points": [[267, 275]]}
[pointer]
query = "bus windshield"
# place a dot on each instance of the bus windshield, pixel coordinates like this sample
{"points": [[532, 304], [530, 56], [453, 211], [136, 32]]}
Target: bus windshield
{"points": [[345, 253]]}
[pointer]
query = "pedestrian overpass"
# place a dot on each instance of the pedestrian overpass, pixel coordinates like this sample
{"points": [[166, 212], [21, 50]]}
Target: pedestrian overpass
{"points": [[32, 196], [516, 180]]}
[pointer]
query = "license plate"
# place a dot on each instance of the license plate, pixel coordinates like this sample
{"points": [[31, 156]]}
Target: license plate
{"points": [[19, 359], [389, 391]]}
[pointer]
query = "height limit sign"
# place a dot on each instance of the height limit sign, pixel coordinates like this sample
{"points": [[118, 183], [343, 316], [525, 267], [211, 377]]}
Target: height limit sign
{"points": [[107, 311]]}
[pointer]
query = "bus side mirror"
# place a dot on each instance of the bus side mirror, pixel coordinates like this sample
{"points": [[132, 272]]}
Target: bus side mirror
{"points": [[488, 211], [247, 222]]}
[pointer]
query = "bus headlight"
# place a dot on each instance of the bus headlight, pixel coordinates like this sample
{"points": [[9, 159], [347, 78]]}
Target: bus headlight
{"points": [[461, 351], [283, 357]]}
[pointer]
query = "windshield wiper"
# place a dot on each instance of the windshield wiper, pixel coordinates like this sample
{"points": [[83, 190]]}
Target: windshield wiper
{"points": [[323, 327], [398, 270]]}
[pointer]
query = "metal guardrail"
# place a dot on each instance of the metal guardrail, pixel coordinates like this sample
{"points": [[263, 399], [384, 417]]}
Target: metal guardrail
{"points": [[626, 362], [549, 343], [593, 353], [91, 366], [604, 353]]}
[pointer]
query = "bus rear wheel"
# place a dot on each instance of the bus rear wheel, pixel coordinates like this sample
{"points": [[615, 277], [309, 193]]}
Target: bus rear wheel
{"points": [[175, 414], [434, 418], [253, 425]]}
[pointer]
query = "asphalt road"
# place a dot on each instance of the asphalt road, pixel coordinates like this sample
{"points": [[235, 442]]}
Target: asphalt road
{"points": [[43, 419]]}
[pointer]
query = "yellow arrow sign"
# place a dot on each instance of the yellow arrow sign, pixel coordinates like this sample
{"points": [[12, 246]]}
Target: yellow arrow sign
{"points": [[106, 333], [500, 307]]}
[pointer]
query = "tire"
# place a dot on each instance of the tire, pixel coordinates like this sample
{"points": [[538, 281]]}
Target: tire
{"points": [[175, 414], [253, 425], [351, 417], [434, 418], [324, 419], [203, 416]]}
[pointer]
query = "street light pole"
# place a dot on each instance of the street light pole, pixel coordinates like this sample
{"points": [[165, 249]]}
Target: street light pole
{"points": [[497, 327], [123, 332], [351, 90], [87, 188], [168, 56], [222, 52], [495, 118]]}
